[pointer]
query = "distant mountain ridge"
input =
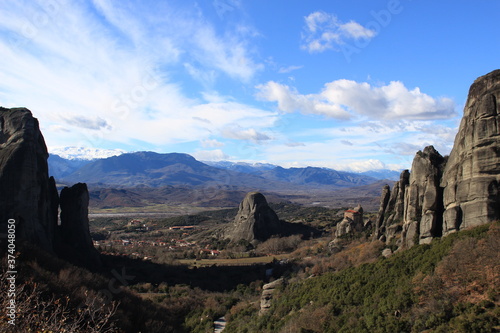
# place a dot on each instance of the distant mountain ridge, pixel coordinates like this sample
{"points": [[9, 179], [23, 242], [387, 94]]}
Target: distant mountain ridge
{"points": [[258, 168], [149, 169]]}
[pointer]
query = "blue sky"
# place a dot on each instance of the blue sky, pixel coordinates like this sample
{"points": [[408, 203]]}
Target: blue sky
{"points": [[351, 85]]}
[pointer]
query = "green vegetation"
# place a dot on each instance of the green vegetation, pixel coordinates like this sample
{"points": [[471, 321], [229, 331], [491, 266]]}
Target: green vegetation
{"points": [[409, 292]]}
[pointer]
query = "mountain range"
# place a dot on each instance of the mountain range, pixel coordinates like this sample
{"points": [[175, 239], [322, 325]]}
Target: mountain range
{"points": [[149, 169]]}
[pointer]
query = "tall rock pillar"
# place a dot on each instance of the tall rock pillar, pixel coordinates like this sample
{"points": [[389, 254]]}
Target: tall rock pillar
{"points": [[27, 194], [423, 198], [472, 175]]}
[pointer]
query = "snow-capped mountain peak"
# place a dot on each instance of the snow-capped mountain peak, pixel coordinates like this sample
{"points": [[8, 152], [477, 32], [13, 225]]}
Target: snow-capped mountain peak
{"points": [[83, 153]]}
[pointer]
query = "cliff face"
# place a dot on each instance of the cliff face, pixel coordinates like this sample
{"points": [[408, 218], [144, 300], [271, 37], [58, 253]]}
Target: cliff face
{"points": [[445, 195], [472, 173], [423, 208], [255, 220], [392, 205], [29, 196]]}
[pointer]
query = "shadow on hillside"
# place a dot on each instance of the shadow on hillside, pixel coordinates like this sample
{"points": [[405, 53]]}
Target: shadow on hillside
{"points": [[211, 278]]}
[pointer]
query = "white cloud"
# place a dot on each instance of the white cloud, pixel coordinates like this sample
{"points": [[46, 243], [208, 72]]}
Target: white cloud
{"points": [[108, 71], [342, 99], [355, 30], [359, 145], [330, 154], [294, 144], [289, 100], [210, 155], [238, 133], [228, 55], [392, 101], [211, 143], [324, 31], [284, 70]]}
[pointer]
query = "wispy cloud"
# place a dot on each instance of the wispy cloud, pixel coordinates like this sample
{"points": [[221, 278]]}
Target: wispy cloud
{"points": [[211, 143], [107, 68], [88, 123], [346, 142], [324, 31], [239, 133], [284, 70]]}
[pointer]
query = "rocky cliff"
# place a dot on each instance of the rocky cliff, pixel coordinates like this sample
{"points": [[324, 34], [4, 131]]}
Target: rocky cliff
{"points": [[443, 195], [423, 208], [255, 220], [391, 211], [472, 174], [29, 196]]}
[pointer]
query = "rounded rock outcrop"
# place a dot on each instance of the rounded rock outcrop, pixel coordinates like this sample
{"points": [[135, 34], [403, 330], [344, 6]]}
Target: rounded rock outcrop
{"points": [[255, 220]]}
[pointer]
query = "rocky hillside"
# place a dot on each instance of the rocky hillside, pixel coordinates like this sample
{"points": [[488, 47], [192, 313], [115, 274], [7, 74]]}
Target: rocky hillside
{"points": [[442, 195]]}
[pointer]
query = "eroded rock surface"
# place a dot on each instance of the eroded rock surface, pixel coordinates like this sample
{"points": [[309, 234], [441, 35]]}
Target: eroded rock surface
{"points": [[472, 174], [268, 291], [255, 220], [423, 212], [391, 211], [27, 195], [30, 197], [443, 195]]}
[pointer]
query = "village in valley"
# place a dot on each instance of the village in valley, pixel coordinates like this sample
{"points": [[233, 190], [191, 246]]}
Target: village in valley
{"points": [[151, 240]]}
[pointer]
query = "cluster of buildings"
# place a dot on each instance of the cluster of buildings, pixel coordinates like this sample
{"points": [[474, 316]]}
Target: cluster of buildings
{"points": [[173, 244]]}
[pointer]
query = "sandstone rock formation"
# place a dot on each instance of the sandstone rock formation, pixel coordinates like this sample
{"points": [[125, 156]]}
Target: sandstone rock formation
{"points": [[472, 174], [352, 222], [255, 220], [268, 291], [443, 195], [27, 195], [391, 211], [30, 197], [423, 213], [74, 230]]}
